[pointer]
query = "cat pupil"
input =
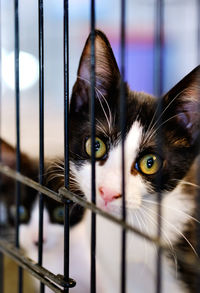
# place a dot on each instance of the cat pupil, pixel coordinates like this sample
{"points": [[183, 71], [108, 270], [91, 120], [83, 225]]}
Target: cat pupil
{"points": [[97, 145], [21, 210], [150, 162], [60, 213]]}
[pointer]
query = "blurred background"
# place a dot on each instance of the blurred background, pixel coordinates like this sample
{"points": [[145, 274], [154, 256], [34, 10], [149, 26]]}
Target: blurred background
{"points": [[180, 57]]}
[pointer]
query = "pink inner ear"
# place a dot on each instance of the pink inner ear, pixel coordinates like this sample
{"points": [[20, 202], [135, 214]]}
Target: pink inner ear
{"points": [[84, 70], [189, 118], [106, 67], [184, 119]]}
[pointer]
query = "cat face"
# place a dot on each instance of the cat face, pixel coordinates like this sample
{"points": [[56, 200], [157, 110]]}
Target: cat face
{"points": [[28, 209], [161, 140], [52, 234], [29, 223]]}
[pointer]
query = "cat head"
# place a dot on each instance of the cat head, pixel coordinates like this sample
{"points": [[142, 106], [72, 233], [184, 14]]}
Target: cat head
{"points": [[28, 209], [53, 218], [162, 134]]}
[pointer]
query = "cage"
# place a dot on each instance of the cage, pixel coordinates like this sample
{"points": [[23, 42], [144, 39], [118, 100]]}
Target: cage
{"points": [[155, 43]]}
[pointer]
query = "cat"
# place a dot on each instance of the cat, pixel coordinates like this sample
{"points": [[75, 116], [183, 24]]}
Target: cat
{"points": [[53, 236], [153, 165], [53, 241]]}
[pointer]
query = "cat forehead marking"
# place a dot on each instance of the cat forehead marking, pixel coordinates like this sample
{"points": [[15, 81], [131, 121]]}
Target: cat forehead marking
{"points": [[132, 146]]}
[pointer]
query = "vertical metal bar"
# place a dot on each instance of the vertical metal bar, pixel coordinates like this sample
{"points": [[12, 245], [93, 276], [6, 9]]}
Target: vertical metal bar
{"points": [[18, 157], [197, 281], [66, 137], [158, 90], [198, 31], [123, 132], [1, 273], [93, 173], [158, 48], [41, 129], [1, 254]]}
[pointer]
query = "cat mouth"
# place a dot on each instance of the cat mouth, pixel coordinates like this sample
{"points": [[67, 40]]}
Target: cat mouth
{"points": [[109, 207]]}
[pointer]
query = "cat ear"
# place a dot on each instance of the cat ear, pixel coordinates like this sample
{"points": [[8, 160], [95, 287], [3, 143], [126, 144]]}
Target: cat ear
{"points": [[106, 69], [8, 157], [182, 110]]}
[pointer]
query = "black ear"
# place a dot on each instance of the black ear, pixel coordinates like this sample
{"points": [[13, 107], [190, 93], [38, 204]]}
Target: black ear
{"points": [[181, 106], [8, 157], [106, 69]]}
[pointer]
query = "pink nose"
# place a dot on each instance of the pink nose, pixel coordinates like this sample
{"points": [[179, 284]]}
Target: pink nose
{"points": [[35, 239], [108, 194], [36, 242]]}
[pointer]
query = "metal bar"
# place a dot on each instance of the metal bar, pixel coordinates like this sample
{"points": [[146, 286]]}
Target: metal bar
{"points": [[197, 281], [198, 31], [18, 256], [64, 195], [0, 79], [123, 133], [93, 132], [41, 128], [66, 137], [17, 95], [1, 272], [37, 271], [158, 90], [1, 254], [18, 157], [158, 48]]}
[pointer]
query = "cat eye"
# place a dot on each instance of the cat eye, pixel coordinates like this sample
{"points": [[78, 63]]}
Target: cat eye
{"points": [[23, 213], [100, 148], [149, 164], [58, 214]]}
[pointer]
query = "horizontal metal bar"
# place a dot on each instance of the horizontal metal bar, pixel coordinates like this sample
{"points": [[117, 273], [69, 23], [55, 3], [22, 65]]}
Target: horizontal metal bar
{"points": [[29, 182], [66, 196], [37, 271]]}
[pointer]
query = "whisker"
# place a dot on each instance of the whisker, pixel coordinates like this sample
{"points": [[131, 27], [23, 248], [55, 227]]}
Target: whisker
{"points": [[172, 208], [176, 230], [187, 182], [145, 230], [168, 241], [145, 218], [50, 178], [101, 127], [155, 130], [161, 114], [109, 120]]}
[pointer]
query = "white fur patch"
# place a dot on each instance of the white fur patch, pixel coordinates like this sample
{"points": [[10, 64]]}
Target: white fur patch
{"points": [[53, 249]]}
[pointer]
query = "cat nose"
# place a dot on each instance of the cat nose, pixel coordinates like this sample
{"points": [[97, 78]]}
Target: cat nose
{"points": [[36, 242], [108, 194]]}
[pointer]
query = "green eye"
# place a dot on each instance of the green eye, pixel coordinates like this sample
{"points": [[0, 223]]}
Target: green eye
{"points": [[150, 164], [58, 214], [23, 213], [100, 147]]}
